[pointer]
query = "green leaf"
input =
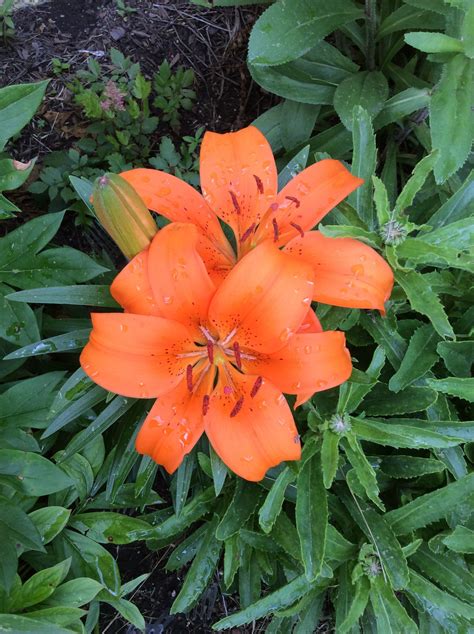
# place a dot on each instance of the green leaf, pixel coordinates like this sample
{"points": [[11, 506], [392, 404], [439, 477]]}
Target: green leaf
{"points": [[457, 356], [459, 206], [401, 105], [399, 466], [26, 404], [219, 471], [422, 252], [18, 103], [277, 600], [58, 616], [94, 395], [366, 89], [15, 525], [458, 235], [421, 586], [364, 160], [432, 506], [399, 435], [129, 611], [278, 38], [433, 42], [13, 174], [201, 571], [245, 501], [424, 300], [185, 552], [363, 469], [297, 122], [41, 585], [73, 340], [269, 124], [31, 474], [8, 563], [360, 597], [50, 521], [380, 401], [418, 360], [15, 623], [406, 17], [105, 527], [451, 117], [382, 204], [462, 388], [415, 182], [82, 295], [329, 457], [351, 393], [392, 617], [461, 540], [17, 322], [312, 516], [294, 166], [273, 503]]}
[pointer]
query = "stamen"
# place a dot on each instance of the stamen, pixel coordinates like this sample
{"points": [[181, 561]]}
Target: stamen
{"points": [[274, 206], [229, 337], [258, 180], [235, 202], [189, 377], [205, 404], [238, 357], [298, 228], [293, 200], [256, 386], [247, 232], [207, 334], [237, 407], [276, 231], [210, 351]]}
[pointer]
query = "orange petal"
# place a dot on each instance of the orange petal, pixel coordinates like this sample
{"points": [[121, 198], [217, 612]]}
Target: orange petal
{"points": [[132, 290], [238, 176], [346, 272], [136, 355], [310, 324], [261, 435], [309, 197], [182, 288], [179, 202], [173, 426], [308, 363], [265, 298]]}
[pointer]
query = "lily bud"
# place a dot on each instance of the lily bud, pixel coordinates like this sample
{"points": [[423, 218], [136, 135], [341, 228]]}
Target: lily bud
{"points": [[123, 214]]}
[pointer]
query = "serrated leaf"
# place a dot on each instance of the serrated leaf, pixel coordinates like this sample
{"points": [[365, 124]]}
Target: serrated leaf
{"points": [[392, 617], [380, 401], [458, 356], [273, 503], [367, 89], [460, 387], [363, 469], [459, 206], [358, 604], [245, 501], [418, 360], [424, 300], [398, 435], [461, 540], [415, 182], [433, 42], [399, 466], [329, 457], [364, 160], [401, 105], [421, 586]]}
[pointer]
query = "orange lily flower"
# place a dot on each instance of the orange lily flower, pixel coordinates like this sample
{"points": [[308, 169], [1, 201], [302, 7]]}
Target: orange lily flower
{"points": [[239, 183], [218, 358]]}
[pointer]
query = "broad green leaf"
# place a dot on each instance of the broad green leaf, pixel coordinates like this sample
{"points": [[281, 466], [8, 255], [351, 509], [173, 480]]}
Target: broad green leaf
{"points": [[366, 89], [15, 525], [17, 623], [421, 586], [392, 617], [13, 174], [407, 17], [424, 300], [245, 501], [50, 521], [461, 540], [418, 360], [26, 404], [81, 295], [467, 32], [84, 189], [380, 401], [458, 356], [433, 42], [104, 527], [401, 105], [281, 598], [278, 38], [129, 611], [18, 323], [364, 160], [273, 503], [31, 474], [294, 166], [399, 466], [201, 570], [451, 116], [74, 340], [269, 123], [449, 429], [458, 207], [457, 235], [8, 563], [432, 506], [41, 585], [18, 104], [297, 122], [399, 435], [423, 252], [312, 516], [460, 387], [58, 616]]}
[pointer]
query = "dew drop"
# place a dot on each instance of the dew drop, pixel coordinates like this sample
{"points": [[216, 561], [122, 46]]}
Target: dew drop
{"points": [[285, 334], [307, 301], [248, 458], [357, 269], [123, 328], [167, 299], [321, 383], [308, 349]]}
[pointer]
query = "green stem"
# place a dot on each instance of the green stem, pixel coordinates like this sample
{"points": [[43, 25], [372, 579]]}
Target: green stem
{"points": [[371, 29]]}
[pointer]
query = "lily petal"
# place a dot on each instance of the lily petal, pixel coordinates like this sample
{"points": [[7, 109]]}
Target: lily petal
{"points": [[265, 298], [179, 202], [261, 435], [238, 176], [173, 426], [132, 290], [136, 355], [308, 363], [309, 197], [347, 272], [182, 288], [310, 324]]}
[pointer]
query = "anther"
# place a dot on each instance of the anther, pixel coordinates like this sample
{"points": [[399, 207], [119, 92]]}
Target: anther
{"points": [[235, 202], [238, 356], [276, 231], [256, 386], [258, 180], [189, 377], [205, 404], [237, 407], [247, 232], [210, 351], [294, 200], [298, 228]]}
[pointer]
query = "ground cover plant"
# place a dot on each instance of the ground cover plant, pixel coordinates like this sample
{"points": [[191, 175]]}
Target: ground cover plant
{"points": [[370, 528]]}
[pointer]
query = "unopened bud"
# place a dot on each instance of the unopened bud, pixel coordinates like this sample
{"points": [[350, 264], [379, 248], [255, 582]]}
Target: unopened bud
{"points": [[123, 214]]}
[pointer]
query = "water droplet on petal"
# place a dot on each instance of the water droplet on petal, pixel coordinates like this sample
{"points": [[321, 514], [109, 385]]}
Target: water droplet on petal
{"points": [[248, 458], [167, 299], [123, 328], [308, 349]]}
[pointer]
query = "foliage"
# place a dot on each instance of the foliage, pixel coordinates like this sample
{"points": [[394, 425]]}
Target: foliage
{"points": [[7, 25]]}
